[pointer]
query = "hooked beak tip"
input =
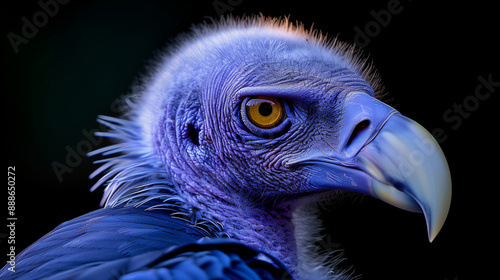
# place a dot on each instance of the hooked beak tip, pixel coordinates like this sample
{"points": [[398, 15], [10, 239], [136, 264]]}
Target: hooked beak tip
{"points": [[409, 171]]}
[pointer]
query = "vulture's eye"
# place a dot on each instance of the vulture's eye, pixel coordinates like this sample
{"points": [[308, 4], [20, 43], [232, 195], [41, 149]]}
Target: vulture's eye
{"points": [[264, 112], [265, 116]]}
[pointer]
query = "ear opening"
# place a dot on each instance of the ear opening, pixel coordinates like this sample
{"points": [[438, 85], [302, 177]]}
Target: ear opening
{"points": [[193, 134]]}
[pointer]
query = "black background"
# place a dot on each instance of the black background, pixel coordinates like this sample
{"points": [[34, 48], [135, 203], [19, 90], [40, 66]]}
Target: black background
{"points": [[430, 57]]}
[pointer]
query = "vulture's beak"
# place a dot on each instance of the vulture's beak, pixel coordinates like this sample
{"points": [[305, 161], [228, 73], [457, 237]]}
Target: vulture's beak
{"points": [[409, 171], [386, 155]]}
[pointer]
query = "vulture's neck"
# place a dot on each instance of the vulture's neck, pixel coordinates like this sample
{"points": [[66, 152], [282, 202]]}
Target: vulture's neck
{"points": [[290, 232], [270, 230]]}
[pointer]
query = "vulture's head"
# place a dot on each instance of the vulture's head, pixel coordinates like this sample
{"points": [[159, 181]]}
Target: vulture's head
{"points": [[246, 125]]}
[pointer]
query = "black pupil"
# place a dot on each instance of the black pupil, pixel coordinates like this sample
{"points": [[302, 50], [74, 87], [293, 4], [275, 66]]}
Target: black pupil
{"points": [[265, 109]]}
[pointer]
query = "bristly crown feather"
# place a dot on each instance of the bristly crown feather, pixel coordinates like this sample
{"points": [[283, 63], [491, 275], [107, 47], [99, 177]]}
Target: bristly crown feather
{"points": [[354, 57]]}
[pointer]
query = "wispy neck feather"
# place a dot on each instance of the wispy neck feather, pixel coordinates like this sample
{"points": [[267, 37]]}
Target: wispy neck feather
{"points": [[133, 175], [318, 259]]}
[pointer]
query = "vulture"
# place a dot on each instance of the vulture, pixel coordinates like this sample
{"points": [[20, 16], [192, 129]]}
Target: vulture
{"points": [[226, 150]]}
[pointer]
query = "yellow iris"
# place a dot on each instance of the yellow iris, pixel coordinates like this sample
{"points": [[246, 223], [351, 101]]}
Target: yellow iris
{"points": [[264, 111]]}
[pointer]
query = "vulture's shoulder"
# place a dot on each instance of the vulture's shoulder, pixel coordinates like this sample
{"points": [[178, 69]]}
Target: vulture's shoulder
{"points": [[100, 236], [112, 242]]}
